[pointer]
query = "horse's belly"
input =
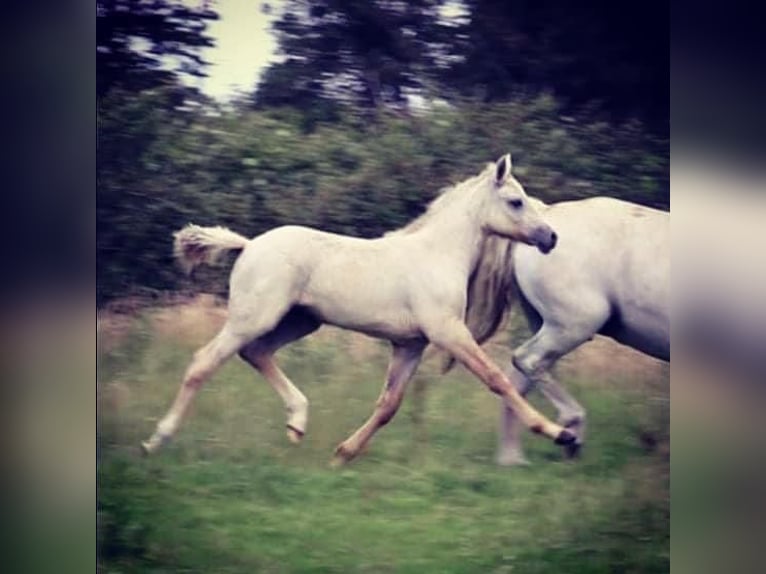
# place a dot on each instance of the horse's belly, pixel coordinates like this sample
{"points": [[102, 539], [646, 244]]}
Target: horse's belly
{"points": [[641, 302], [645, 332]]}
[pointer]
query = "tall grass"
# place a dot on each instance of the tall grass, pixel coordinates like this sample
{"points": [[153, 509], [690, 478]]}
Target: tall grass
{"points": [[230, 494]]}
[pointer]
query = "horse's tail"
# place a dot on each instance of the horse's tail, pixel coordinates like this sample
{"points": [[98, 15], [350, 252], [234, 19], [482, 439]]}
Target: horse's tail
{"points": [[195, 245]]}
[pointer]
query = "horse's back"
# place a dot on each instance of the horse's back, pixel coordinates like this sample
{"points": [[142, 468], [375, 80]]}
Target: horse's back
{"points": [[276, 261], [602, 235], [613, 212]]}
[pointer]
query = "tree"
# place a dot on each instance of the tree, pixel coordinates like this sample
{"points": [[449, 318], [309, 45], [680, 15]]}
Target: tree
{"points": [[373, 54], [367, 54], [144, 43], [613, 53]]}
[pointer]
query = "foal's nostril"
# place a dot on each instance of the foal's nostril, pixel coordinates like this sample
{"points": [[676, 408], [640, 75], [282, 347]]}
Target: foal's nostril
{"points": [[554, 239]]}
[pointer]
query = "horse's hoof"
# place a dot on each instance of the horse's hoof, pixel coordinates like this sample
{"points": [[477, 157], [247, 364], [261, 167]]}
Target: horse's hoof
{"points": [[572, 450], [145, 448], [566, 437], [573, 423], [294, 435]]}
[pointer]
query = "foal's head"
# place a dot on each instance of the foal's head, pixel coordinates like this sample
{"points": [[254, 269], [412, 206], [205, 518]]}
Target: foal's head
{"points": [[508, 212]]}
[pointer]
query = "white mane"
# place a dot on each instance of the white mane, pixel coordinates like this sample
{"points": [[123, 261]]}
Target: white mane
{"points": [[445, 198]]}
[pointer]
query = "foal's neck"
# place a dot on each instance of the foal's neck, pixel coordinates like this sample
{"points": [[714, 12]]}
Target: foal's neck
{"points": [[457, 230]]}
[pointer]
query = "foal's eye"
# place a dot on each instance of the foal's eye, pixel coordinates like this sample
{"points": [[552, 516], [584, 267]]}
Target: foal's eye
{"points": [[515, 203]]}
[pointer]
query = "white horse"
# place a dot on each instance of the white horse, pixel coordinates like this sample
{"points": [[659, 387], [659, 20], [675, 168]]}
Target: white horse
{"points": [[408, 288], [609, 275]]}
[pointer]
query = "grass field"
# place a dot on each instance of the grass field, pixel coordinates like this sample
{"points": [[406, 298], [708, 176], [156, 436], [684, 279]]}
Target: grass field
{"points": [[231, 494]]}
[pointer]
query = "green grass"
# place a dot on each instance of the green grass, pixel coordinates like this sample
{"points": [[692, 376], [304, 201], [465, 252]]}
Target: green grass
{"points": [[230, 494]]}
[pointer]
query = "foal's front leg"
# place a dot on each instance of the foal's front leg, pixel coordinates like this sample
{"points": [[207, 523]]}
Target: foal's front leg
{"points": [[404, 362], [455, 338]]}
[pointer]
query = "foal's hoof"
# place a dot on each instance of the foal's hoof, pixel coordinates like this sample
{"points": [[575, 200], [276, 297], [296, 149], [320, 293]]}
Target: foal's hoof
{"points": [[566, 437], [572, 450], [146, 450], [294, 434], [342, 457], [338, 461]]}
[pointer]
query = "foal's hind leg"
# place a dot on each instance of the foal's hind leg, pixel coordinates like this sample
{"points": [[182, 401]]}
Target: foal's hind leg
{"points": [[260, 354], [205, 362], [404, 362], [243, 325]]}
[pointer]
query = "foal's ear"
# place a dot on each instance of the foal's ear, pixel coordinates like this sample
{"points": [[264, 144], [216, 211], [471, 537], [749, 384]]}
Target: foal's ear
{"points": [[503, 169]]}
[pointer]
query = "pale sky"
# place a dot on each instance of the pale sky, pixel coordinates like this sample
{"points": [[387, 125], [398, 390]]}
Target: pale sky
{"points": [[244, 46]]}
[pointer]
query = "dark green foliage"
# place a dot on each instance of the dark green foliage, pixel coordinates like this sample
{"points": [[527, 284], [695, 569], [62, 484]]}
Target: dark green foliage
{"points": [[161, 166]]}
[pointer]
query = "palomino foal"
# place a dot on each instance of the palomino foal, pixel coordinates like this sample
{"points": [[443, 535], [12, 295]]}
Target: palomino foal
{"points": [[407, 288]]}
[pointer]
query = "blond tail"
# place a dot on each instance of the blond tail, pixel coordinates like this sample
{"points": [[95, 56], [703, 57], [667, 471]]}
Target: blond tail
{"points": [[195, 245]]}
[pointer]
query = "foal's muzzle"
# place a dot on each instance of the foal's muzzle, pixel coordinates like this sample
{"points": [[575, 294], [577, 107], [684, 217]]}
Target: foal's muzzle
{"points": [[545, 239]]}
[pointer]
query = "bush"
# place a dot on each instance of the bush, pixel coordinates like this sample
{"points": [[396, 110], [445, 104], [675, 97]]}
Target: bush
{"points": [[161, 166]]}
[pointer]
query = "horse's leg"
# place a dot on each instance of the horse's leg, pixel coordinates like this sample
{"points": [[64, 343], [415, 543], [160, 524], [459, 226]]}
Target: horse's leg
{"points": [[455, 338], [240, 328], [260, 354], [571, 415], [206, 361], [585, 314], [509, 449], [534, 359], [404, 362]]}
